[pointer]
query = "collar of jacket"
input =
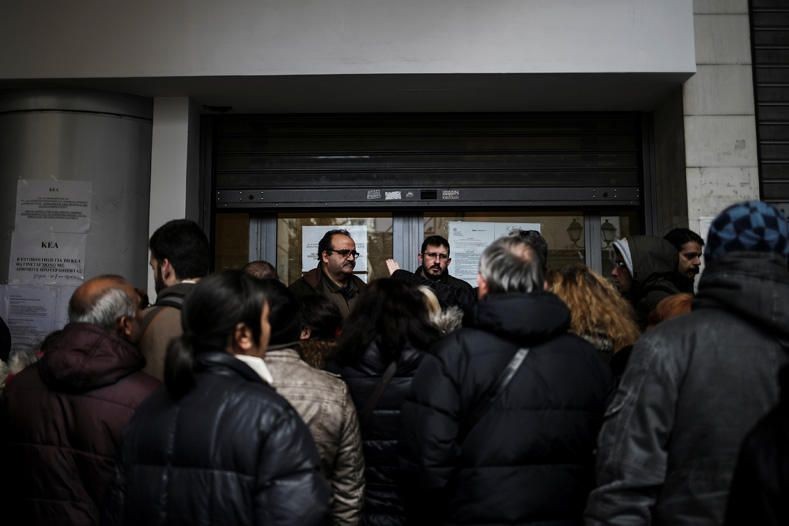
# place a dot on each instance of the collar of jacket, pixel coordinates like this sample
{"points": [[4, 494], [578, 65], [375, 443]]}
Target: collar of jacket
{"points": [[84, 357], [753, 285], [179, 289], [224, 363], [257, 364], [315, 279], [443, 278], [523, 318], [283, 354]]}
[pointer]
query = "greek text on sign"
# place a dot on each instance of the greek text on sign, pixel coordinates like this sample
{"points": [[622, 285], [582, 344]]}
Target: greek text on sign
{"points": [[59, 206], [47, 258]]}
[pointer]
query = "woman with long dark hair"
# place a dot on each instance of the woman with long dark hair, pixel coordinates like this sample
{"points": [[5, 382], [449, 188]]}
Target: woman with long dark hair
{"points": [[219, 445], [382, 344]]}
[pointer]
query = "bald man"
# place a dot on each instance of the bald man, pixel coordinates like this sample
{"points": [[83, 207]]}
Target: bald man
{"points": [[66, 412]]}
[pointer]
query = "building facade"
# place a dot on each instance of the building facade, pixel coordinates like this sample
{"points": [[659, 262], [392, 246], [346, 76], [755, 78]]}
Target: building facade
{"points": [[260, 119]]}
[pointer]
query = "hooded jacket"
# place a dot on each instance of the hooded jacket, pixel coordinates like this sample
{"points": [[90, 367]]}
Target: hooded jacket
{"points": [[66, 414], [529, 457], [694, 387], [652, 262]]}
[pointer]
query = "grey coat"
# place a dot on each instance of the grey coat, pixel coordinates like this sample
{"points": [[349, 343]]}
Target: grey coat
{"points": [[323, 402], [693, 389]]}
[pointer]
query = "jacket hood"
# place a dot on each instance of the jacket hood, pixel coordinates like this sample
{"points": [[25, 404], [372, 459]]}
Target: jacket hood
{"points": [[523, 318], [84, 357], [753, 285], [651, 255]]}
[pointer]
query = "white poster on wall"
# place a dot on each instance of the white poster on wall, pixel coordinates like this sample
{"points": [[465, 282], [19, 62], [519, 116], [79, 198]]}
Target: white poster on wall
{"points": [[46, 258], [59, 206], [311, 236], [31, 314], [467, 240]]}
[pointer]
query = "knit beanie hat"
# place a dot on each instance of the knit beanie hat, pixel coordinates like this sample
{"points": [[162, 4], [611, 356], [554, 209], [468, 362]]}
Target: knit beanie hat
{"points": [[752, 226]]}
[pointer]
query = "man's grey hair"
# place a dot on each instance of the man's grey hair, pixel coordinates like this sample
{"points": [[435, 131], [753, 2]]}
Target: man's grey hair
{"points": [[111, 305], [510, 264]]}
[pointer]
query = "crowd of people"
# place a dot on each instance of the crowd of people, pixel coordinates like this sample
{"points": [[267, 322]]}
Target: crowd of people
{"points": [[540, 396]]}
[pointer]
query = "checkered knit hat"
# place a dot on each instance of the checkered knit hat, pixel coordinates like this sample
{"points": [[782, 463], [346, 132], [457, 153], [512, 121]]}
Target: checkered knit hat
{"points": [[752, 226]]}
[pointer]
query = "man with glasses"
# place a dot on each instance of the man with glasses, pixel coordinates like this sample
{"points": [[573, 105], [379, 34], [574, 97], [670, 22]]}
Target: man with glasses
{"points": [[333, 278], [433, 272]]}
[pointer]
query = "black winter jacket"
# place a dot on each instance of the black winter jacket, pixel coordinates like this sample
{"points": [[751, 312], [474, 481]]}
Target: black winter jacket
{"points": [[231, 451], [529, 458], [382, 499], [760, 485], [694, 387]]}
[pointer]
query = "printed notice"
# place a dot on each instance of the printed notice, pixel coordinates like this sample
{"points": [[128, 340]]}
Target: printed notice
{"points": [[31, 314], [469, 238], [311, 235], [46, 258], [59, 206]]}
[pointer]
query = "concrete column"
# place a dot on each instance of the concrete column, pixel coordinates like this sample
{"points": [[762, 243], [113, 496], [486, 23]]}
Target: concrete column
{"points": [[78, 135], [174, 165], [720, 124]]}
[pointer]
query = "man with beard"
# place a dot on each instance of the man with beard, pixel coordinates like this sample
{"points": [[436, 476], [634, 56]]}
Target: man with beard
{"points": [[689, 246], [434, 261], [697, 384], [333, 277], [179, 258]]}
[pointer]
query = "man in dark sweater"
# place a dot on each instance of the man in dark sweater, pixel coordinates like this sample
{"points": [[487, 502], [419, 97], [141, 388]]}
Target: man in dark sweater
{"points": [[433, 272]]}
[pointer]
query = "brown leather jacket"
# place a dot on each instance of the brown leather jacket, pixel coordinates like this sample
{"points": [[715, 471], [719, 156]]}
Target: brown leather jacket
{"points": [[315, 282], [323, 402]]}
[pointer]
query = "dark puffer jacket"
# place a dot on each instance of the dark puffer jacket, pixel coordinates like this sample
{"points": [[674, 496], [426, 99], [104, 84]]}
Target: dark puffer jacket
{"points": [[65, 415], [694, 387], [380, 431], [231, 451], [529, 458]]}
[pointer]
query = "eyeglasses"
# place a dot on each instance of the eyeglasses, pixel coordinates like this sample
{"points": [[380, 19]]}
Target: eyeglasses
{"points": [[435, 255], [345, 252]]}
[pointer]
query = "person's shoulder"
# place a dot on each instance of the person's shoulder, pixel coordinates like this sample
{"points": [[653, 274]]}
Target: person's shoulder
{"points": [[457, 282]]}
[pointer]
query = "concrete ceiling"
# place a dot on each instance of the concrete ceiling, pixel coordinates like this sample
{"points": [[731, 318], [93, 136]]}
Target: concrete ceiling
{"points": [[394, 93]]}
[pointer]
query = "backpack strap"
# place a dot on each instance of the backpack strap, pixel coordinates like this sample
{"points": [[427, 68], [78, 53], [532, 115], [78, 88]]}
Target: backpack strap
{"points": [[379, 390], [175, 301], [494, 393]]}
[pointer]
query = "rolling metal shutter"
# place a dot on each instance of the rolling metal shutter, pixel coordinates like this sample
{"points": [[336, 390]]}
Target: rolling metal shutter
{"points": [[770, 41], [426, 160]]}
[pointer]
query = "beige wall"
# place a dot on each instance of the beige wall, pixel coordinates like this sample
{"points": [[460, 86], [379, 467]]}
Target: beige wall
{"points": [[720, 125]]}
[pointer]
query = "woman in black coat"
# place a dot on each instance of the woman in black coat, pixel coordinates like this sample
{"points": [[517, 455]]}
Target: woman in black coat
{"points": [[387, 330], [219, 445]]}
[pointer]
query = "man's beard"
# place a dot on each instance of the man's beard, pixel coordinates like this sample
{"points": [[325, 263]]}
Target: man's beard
{"points": [[434, 276]]}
